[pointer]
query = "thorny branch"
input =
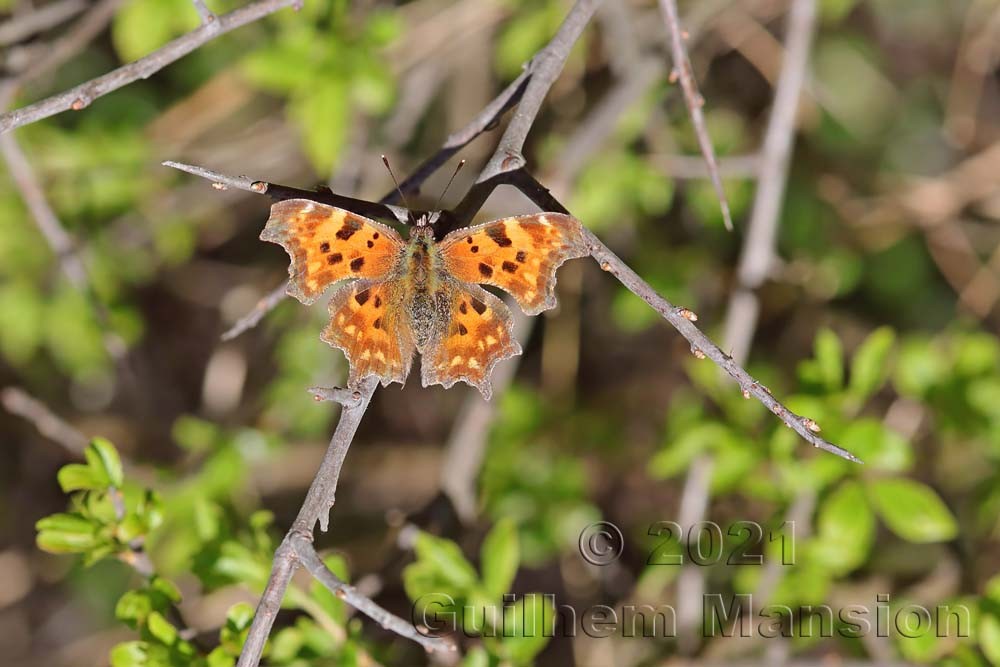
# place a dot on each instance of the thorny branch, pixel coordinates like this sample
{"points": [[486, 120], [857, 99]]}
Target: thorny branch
{"points": [[694, 100], [758, 256], [39, 20], [82, 95], [506, 166], [296, 549]]}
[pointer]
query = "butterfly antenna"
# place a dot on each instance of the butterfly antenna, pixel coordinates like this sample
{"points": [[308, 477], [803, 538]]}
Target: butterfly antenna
{"points": [[450, 180], [402, 197]]}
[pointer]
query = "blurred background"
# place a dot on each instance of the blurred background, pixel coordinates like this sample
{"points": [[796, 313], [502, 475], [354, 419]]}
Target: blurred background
{"points": [[877, 318]]}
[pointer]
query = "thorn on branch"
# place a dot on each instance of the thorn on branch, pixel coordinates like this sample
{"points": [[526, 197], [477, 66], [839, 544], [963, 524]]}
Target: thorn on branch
{"points": [[687, 314], [349, 398]]}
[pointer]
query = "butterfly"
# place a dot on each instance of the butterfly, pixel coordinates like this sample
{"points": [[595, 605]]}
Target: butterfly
{"points": [[422, 295]]}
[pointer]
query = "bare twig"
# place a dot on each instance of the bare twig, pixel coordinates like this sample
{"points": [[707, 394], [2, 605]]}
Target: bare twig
{"points": [[685, 166], [280, 192], [758, 246], [346, 397], [545, 68], [39, 20], [757, 258], [45, 218], [694, 100], [206, 15], [321, 495], [52, 426], [680, 319], [310, 560], [268, 303], [691, 580], [81, 33], [82, 95], [486, 119]]}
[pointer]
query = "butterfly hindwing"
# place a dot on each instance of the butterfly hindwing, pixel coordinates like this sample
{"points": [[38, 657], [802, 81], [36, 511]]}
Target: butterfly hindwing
{"points": [[519, 255], [327, 244], [368, 322], [478, 334]]}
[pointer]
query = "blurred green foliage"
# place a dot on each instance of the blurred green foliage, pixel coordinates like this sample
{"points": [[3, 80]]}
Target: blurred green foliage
{"points": [[866, 308]]}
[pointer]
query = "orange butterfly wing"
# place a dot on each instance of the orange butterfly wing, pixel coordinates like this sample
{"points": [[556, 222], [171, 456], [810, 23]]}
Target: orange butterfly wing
{"points": [[367, 322], [519, 255], [327, 244], [478, 335]]}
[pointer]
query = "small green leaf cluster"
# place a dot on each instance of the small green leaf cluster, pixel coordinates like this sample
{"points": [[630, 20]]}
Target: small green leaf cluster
{"points": [[107, 517], [191, 528], [324, 60], [475, 600]]}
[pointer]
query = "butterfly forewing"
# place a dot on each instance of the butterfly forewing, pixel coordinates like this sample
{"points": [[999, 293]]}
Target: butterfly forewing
{"points": [[519, 255], [327, 244]]}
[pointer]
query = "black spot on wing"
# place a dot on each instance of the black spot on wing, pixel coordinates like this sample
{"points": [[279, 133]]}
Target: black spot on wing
{"points": [[478, 306], [509, 267], [485, 270], [324, 247], [362, 297], [335, 258], [498, 233], [347, 231], [521, 256], [377, 323], [463, 308], [462, 329], [356, 264]]}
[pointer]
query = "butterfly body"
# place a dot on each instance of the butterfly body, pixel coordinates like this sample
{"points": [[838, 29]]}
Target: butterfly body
{"points": [[422, 295], [427, 284]]}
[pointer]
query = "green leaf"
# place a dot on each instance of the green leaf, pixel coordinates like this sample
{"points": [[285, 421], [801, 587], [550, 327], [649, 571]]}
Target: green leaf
{"points": [[983, 394], [129, 654], [912, 510], [22, 315], [869, 367], [500, 557], [239, 616], [103, 456], [133, 608], [161, 628], [677, 455], [446, 559], [166, 589], [920, 365], [220, 658], [476, 657], [322, 113], [77, 477], [142, 26], [845, 529], [989, 637], [66, 533], [830, 359], [878, 446], [527, 617]]}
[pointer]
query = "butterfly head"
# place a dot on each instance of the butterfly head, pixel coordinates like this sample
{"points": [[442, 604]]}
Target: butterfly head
{"points": [[424, 225]]}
